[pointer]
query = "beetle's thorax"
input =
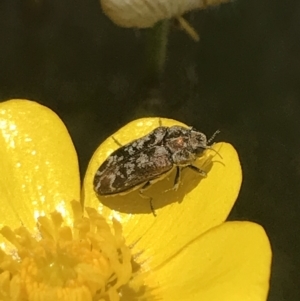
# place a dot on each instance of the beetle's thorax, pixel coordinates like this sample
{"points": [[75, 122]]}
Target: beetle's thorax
{"points": [[184, 145]]}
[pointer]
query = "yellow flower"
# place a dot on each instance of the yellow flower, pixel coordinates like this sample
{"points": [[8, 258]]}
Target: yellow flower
{"points": [[51, 252]]}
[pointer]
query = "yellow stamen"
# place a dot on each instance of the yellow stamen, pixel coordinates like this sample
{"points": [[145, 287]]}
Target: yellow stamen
{"points": [[88, 260]]}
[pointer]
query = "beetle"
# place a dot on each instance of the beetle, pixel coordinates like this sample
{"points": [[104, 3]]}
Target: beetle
{"points": [[143, 161]]}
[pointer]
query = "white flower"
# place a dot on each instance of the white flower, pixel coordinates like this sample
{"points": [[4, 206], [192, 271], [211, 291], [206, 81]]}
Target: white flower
{"points": [[145, 13]]}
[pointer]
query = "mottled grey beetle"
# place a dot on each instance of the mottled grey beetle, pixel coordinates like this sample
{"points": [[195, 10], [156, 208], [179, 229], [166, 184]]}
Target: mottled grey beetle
{"points": [[145, 160]]}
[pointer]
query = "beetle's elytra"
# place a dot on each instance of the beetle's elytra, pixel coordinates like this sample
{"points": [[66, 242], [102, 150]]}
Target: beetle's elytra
{"points": [[148, 159]]}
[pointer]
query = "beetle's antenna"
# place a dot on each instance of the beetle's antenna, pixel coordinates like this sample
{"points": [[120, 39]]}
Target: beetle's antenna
{"points": [[209, 147], [211, 139], [213, 136]]}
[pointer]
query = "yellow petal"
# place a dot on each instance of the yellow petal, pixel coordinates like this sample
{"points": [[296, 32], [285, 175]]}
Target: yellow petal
{"points": [[39, 168], [230, 262], [198, 205]]}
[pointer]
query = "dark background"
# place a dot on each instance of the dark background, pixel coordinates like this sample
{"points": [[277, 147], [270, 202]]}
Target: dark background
{"points": [[243, 77]]}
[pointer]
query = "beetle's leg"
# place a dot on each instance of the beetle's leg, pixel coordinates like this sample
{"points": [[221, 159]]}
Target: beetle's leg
{"points": [[198, 170], [177, 178], [151, 206], [116, 141], [144, 187], [159, 122]]}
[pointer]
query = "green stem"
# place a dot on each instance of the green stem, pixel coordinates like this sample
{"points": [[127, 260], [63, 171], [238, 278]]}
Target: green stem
{"points": [[156, 50]]}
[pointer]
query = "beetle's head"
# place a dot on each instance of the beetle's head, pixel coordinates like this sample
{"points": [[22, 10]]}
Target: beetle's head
{"points": [[198, 141]]}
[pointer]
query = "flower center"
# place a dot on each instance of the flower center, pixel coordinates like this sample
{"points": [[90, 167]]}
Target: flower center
{"points": [[86, 261]]}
